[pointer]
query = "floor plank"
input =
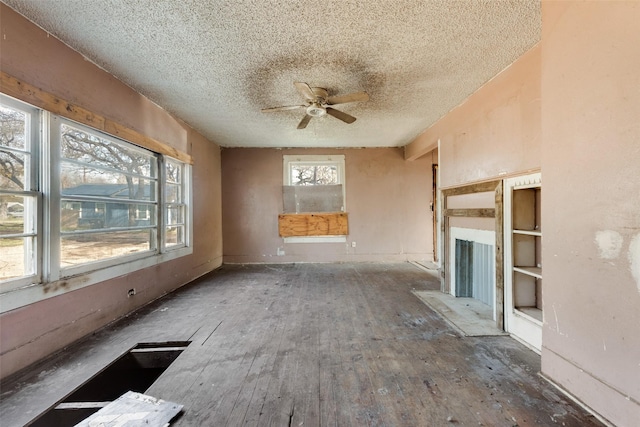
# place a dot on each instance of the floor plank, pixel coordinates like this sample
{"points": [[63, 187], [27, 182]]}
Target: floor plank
{"points": [[311, 345]]}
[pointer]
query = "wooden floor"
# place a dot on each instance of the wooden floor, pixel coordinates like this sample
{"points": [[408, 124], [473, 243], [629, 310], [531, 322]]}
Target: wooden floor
{"points": [[312, 345]]}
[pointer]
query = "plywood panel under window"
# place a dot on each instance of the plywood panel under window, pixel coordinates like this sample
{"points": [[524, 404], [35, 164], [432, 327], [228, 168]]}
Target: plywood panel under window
{"points": [[316, 224]]}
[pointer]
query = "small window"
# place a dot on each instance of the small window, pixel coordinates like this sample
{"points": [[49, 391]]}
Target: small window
{"points": [[175, 206], [313, 184]]}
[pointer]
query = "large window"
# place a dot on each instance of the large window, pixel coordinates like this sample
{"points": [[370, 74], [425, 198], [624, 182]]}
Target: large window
{"points": [[74, 200], [107, 188]]}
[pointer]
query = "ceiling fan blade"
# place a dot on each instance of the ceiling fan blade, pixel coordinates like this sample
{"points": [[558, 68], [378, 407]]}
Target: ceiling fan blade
{"points": [[352, 97], [304, 122], [285, 108], [305, 90], [340, 115]]}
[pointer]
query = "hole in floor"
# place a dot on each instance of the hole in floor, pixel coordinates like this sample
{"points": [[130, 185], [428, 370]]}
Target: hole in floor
{"points": [[135, 371]]}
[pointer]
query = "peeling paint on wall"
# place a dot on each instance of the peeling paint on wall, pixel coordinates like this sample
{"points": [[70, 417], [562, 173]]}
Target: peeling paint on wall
{"points": [[634, 259], [609, 243]]}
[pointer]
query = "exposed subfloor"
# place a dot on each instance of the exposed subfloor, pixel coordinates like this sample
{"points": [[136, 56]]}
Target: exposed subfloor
{"points": [[311, 345]]}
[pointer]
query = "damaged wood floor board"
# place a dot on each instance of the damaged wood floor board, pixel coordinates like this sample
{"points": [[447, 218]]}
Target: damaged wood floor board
{"points": [[216, 321], [404, 404], [343, 352], [312, 345], [277, 407], [333, 410], [307, 402], [249, 407], [421, 327], [328, 365], [230, 376], [352, 335], [390, 363]]}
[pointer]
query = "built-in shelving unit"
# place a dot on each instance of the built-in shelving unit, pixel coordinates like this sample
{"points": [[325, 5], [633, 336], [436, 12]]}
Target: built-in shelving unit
{"points": [[523, 259], [527, 244]]}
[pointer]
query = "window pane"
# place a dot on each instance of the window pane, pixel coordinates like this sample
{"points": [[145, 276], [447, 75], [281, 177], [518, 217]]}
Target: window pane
{"points": [[173, 193], [15, 212], [174, 236], [174, 172], [14, 160], [314, 174], [175, 215], [83, 248], [12, 170], [77, 180], [12, 128], [91, 149], [15, 256], [83, 215]]}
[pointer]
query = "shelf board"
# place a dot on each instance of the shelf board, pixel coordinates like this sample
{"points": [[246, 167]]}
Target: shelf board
{"points": [[532, 313], [528, 232], [530, 271]]}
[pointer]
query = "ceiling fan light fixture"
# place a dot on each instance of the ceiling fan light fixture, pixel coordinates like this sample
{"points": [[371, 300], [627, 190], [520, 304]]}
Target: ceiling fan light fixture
{"points": [[316, 110]]}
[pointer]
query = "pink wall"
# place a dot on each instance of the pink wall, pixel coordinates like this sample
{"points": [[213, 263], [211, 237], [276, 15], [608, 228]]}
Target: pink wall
{"points": [[570, 107], [494, 133], [591, 203], [387, 200], [34, 331]]}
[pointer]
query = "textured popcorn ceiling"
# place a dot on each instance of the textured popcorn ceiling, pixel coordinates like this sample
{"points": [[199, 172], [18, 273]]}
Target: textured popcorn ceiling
{"points": [[215, 64]]}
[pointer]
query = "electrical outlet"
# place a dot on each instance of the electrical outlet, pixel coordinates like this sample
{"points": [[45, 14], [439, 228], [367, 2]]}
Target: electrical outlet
{"points": [[353, 244]]}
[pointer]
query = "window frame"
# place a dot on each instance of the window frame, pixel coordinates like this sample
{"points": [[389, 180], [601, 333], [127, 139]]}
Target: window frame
{"points": [[52, 279], [319, 160], [338, 160], [33, 136], [185, 186], [55, 270]]}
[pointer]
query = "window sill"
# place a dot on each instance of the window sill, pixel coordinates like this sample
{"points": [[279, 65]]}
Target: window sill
{"points": [[16, 298], [316, 239]]}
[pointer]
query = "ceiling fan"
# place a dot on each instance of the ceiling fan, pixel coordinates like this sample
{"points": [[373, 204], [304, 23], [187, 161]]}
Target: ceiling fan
{"points": [[319, 102]]}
